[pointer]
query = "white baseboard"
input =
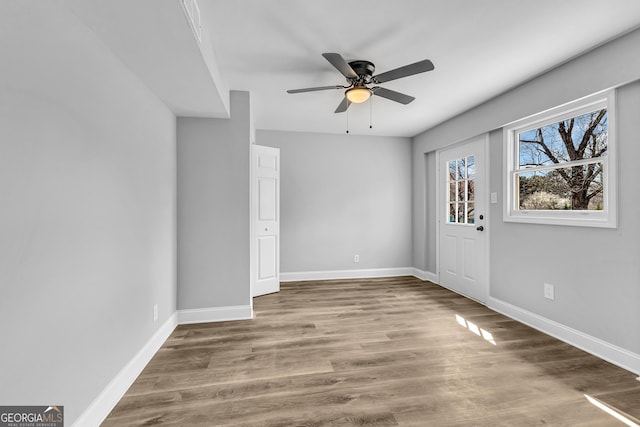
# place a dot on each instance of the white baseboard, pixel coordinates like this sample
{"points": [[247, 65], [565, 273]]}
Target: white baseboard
{"points": [[215, 314], [346, 274], [113, 392], [602, 349], [425, 275]]}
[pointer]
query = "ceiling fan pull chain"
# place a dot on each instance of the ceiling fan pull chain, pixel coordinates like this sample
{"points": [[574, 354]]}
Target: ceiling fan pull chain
{"points": [[371, 113], [347, 121]]}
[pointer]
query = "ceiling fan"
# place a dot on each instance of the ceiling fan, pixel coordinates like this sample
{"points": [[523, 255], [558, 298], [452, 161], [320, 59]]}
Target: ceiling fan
{"points": [[359, 75]]}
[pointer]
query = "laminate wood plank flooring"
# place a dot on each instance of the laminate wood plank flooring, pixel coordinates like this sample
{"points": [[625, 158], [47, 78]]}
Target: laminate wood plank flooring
{"points": [[373, 352]]}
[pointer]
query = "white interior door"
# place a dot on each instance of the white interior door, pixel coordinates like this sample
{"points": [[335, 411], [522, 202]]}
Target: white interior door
{"points": [[462, 217], [265, 202]]}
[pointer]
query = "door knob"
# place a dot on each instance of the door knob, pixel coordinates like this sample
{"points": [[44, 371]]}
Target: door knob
{"points": [[481, 228]]}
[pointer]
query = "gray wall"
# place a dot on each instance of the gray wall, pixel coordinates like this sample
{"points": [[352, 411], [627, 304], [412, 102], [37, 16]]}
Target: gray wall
{"points": [[424, 215], [342, 195], [213, 209], [595, 271], [87, 217]]}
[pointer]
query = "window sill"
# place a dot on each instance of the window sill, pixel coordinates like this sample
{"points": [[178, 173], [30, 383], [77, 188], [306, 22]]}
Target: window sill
{"points": [[577, 220]]}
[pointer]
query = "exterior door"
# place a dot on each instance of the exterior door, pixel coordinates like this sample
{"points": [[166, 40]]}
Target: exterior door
{"points": [[265, 202], [463, 253]]}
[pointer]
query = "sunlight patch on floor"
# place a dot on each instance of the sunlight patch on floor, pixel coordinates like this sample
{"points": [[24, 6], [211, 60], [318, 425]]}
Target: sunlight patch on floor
{"points": [[475, 329]]}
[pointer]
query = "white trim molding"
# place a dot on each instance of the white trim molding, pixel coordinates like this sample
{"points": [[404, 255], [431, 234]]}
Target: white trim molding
{"points": [[359, 274], [611, 353], [425, 275], [102, 405], [346, 274], [215, 314]]}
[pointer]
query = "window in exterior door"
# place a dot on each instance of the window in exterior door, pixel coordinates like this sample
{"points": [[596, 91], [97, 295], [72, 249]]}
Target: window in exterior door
{"points": [[460, 190]]}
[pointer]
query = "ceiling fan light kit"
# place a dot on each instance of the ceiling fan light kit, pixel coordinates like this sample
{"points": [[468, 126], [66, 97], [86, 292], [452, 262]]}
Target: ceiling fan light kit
{"points": [[358, 95], [359, 76]]}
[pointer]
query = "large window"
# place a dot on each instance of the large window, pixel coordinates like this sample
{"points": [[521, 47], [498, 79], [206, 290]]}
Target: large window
{"points": [[561, 165]]}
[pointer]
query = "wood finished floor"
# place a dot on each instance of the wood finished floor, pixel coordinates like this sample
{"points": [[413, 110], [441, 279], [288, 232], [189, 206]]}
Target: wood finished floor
{"points": [[372, 352]]}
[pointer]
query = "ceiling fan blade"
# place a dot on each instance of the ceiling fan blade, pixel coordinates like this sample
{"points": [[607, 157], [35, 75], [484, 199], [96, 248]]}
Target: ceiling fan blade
{"points": [[407, 70], [341, 65], [313, 89], [392, 95], [343, 105]]}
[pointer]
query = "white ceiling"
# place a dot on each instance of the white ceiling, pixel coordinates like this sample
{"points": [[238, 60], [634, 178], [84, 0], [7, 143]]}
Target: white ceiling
{"points": [[480, 49]]}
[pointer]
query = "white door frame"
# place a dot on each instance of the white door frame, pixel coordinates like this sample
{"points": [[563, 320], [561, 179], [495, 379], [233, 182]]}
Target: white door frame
{"points": [[439, 207]]}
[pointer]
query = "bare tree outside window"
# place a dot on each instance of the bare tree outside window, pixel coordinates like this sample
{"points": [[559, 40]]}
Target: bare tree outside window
{"points": [[561, 166]]}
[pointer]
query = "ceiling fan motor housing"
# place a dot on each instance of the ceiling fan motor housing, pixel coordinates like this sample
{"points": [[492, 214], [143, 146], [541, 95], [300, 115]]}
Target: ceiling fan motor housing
{"points": [[364, 70]]}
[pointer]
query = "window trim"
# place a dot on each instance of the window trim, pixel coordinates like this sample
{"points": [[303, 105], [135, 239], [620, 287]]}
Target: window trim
{"points": [[607, 217]]}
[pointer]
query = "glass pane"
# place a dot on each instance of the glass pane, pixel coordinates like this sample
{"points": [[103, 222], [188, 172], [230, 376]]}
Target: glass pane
{"points": [[471, 167], [576, 138], [452, 170], [452, 212], [452, 191], [461, 168], [461, 213], [570, 188], [470, 190], [461, 191], [471, 217]]}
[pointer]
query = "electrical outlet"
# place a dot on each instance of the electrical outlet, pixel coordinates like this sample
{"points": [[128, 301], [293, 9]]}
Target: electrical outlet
{"points": [[549, 291], [155, 313], [356, 258]]}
